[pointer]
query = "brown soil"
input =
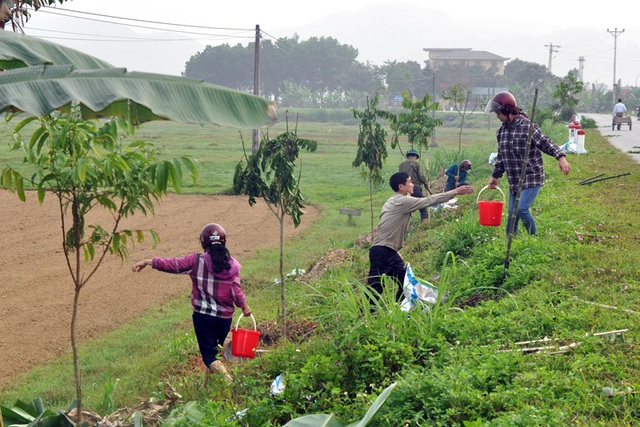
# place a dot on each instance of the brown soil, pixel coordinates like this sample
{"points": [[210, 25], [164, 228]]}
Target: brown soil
{"points": [[36, 291]]}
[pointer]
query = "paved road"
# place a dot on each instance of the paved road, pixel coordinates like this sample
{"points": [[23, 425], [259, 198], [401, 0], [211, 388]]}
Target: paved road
{"points": [[623, 139]]}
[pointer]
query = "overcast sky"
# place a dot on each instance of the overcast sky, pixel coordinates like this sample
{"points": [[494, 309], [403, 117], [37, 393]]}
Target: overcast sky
{"points": [[528, 31]]}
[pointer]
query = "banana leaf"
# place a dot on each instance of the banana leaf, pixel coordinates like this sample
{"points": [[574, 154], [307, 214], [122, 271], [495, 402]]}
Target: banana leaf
{"points": [[329, 420], [19, 51], [57, 78]]}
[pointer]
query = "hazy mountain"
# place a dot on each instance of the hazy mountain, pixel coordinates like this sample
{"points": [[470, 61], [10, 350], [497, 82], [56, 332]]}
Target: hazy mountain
{"points": [[401, 31], [382, 32]]}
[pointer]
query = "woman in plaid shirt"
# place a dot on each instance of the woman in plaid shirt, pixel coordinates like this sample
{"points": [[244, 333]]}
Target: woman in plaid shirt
{"points": [[512, 143], [216, 291]]}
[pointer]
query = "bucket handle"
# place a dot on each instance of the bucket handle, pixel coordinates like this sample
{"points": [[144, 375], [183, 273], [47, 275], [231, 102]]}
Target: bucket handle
{"points": [[252, 318], [484, 188]]}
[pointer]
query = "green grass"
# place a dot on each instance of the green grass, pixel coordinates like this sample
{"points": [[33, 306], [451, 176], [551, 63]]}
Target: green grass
{"points": [[458, 363]]}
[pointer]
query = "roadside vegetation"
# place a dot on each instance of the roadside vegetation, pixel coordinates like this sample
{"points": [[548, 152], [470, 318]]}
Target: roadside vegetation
{"points": [[515, 349]]}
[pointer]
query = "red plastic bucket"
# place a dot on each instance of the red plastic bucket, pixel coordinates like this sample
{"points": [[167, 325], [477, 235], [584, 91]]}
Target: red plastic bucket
{"points": [[244, 341], [490, 210]]}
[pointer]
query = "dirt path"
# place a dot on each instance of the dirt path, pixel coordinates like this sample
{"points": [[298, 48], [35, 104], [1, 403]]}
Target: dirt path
{"points": [[35, 287]]}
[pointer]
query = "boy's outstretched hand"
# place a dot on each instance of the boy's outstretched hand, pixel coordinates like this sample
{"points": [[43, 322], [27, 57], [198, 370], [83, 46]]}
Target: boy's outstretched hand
{"points": [[464, 189]]}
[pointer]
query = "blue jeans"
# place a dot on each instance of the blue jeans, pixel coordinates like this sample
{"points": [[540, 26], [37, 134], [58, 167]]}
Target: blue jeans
{"points": [[524, 213]]}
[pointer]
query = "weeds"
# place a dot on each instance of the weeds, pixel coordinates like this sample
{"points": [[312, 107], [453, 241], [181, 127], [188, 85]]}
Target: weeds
{"points": [[449, 362], [107, 405]]}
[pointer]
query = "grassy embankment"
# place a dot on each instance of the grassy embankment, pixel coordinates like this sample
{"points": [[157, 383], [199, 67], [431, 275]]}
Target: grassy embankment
{"points": [[450, 362]]}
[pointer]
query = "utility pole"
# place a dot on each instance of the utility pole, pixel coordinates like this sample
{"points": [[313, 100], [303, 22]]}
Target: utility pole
{"points": [[433, 99], [552, 50], [615, 33], [581, 60], [255, 140]]}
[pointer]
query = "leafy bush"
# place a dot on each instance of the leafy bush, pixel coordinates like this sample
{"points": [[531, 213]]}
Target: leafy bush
{"points": [[463, 236], [588, 123], [451, 394]]}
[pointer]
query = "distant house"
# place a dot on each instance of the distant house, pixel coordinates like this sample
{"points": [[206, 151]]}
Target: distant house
{"points": [[466, 56]]}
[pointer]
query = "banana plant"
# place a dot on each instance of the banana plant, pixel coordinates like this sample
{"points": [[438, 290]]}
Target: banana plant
{"points": [[329, 420], [34, 414], [41, 77]]}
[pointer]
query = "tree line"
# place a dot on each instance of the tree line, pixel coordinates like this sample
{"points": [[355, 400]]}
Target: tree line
{"points": [[321, 72]]}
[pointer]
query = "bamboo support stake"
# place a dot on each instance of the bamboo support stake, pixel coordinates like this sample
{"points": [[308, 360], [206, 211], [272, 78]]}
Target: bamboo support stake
{"points": [[513, 210], [605, 178], [605, 306], [584, 181], [619, 331], [545, 339], [558, 349]]}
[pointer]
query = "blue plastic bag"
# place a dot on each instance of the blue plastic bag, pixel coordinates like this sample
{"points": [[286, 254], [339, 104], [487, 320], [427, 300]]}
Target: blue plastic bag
{"points": [[417, 291]]}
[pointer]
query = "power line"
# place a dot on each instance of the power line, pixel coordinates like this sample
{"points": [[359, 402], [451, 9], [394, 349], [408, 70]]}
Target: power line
{"points": [[113, 38], [124, 40], [148, 27], [57, 11], [140, 20], [280, 44]]}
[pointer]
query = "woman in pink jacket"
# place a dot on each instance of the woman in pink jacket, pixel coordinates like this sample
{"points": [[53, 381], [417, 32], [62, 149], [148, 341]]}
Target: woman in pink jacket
{"points": [[216, 291]]}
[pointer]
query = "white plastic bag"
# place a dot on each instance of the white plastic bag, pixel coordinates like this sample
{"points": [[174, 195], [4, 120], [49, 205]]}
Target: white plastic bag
{"points": [[493, 157], [277, 386], [569, 147], [417, 291], [451, 204]]}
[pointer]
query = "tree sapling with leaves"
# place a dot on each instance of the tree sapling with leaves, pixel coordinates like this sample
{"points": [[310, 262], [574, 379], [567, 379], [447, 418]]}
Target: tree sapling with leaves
{"points": [[270, 174], [372, 146], [85, 167]]}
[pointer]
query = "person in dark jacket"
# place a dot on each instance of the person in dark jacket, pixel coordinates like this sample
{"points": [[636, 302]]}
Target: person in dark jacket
{"points": [[413, 168]]}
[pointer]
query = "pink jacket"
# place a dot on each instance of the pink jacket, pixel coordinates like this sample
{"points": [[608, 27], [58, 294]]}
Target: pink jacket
{"points": [[214, 294]]}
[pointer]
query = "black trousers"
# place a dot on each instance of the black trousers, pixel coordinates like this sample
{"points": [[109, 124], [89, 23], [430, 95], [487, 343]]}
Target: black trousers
{"points": [[211, 332], [384, 260]]}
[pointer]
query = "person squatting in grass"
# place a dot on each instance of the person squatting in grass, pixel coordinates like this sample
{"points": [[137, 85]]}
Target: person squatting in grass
{"points": [[395, 219], [216, 290], [512, 138], [457, 175]]}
